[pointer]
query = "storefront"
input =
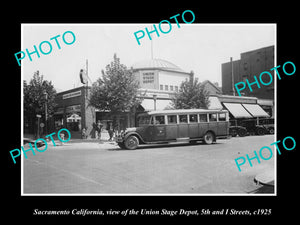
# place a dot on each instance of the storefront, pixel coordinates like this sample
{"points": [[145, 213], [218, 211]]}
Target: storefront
{"points": [[72, 111], [242, 107]]}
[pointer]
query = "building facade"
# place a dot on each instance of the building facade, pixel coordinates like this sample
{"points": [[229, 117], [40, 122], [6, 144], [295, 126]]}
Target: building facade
{"points": [[159, 80], [251, 64], [73, 112]]}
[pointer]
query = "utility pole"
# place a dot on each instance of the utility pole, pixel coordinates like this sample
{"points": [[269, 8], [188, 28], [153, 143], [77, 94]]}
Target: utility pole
{"points": [[232, 77]]}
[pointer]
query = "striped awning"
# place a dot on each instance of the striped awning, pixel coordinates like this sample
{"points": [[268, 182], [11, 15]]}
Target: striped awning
{"points": [[255, 110], [237, 110]]}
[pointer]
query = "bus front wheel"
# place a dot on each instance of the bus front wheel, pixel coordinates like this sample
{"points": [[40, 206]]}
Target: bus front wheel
{"points": [[209, 138], [131, 142]]}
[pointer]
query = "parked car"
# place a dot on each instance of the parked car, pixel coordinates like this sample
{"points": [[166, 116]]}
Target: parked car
{"points": [[237, 130], [253, 128], [268, 124], [31, 141]]}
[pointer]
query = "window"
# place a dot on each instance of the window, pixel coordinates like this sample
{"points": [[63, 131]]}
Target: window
{"points": [[182, 118], [172, 119], [159, 119], [166, 87], [222, 117], [203, 117], [171, 87], [176, 88], [193, 118], [161, 87], [212, 117], [144, 120]]}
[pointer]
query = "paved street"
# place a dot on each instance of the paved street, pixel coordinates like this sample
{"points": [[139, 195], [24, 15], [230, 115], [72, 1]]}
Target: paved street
{"points": [[86, 167]]}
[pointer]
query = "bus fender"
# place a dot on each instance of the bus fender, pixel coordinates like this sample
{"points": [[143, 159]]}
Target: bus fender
{"points": [[135, 134]]}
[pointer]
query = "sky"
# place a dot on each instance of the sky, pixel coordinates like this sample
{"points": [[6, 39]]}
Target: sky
{"points": [[198, 47]]}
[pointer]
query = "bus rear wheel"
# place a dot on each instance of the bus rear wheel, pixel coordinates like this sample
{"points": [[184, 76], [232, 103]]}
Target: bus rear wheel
{"points": [[209, 138], [131, 143]]}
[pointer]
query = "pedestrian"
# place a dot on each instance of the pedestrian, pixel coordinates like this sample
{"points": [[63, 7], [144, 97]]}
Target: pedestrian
{"points": [[83, 134], [62, 137], [110, 130], [99, 128]]}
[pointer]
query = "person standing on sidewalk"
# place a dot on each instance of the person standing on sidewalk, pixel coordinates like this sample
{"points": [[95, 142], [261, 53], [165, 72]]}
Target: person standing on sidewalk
{"points": [[110, 130], [99, 128]]}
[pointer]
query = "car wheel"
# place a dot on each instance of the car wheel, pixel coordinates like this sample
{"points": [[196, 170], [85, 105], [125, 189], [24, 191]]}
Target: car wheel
{"points": [[209, 138], [242, 132], [271, 130], [131, 142], [260, 131]]}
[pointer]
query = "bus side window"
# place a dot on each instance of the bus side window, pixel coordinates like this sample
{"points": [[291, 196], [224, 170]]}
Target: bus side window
{"points": [[222, 117], [159, 119], [193, 118], [203, 117], [172, 119], [212, 117], [182, 118]]}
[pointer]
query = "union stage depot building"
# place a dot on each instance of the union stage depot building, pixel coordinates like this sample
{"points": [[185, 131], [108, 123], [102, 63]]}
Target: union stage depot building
{"points": [[159, 80]]}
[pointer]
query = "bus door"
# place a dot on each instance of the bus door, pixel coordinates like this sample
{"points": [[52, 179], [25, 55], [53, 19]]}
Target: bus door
{"points": [[183, 127], [222, 124], [203, 124], [193, 126], [213, 122], [157, 130], [172, 127]]}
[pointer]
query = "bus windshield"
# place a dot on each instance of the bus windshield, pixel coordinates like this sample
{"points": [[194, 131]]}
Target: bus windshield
{"points": [[144, 120]]}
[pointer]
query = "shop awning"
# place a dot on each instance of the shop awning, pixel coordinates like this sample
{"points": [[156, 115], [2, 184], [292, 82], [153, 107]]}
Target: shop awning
{"points": [[148, 104], [214, 103], [255, 110], [237, 110]]}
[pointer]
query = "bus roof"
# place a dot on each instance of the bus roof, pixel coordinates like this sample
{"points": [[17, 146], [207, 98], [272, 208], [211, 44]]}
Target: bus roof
{"points": [[183, 111]]}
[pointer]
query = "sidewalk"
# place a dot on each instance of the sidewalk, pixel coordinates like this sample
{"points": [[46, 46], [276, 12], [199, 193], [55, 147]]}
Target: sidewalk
{"points": [[104, 138]]}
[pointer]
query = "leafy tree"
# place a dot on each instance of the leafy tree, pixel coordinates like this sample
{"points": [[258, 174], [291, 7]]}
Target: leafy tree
{"points": [[191, 95], [116, 91], [34, 95]]}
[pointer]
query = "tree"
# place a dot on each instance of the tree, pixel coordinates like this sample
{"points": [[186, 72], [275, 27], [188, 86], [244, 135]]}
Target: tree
{"points": [[36, 94], [191, 95], [116, 91]]}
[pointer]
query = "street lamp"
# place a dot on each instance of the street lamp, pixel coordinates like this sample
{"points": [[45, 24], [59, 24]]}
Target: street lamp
{"points": [[154, 98]]}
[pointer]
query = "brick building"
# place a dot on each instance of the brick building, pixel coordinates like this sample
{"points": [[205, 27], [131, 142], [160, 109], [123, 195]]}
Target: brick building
{"points": [[251, 63]]}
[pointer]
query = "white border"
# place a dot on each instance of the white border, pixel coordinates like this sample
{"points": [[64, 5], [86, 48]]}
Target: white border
{"points": [[153, 194]]}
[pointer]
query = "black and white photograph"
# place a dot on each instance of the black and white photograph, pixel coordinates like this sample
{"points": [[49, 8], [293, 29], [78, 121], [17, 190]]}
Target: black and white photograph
{"points": [[166, 113], [161, 114]]}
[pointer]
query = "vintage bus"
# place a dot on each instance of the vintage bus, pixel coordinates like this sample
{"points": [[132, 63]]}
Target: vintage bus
{"points": [[192, 125]]}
